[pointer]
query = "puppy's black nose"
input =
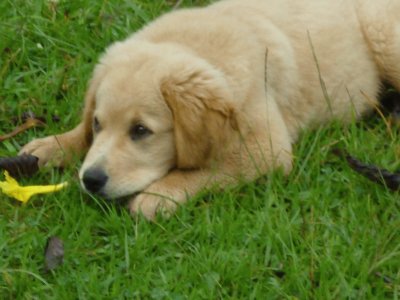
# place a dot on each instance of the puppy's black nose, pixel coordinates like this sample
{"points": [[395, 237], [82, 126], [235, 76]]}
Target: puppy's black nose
{"points": [[94, 179]]}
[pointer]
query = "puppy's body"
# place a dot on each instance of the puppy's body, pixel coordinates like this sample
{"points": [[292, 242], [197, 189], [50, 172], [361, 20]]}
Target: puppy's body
{"points": [[210, 95]]}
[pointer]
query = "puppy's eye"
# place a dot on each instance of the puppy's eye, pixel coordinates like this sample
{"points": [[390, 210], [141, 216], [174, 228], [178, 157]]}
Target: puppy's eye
{"points": [[96, 125], [139, 132]]}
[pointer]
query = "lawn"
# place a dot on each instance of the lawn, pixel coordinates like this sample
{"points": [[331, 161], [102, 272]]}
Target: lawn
{"points": [[322, 233]]}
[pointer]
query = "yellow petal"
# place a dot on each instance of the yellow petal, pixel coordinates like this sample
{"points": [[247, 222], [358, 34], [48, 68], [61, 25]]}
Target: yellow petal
{"points": [[9, 179], [11, 188]]}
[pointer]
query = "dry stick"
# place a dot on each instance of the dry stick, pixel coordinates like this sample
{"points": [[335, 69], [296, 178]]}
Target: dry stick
{"points": [[312, 262], [266, 97], [29, 123], [7, 64], [373, 173], [265, 72], [321, 80], [177, 4], [311, 272], [380, 113]]}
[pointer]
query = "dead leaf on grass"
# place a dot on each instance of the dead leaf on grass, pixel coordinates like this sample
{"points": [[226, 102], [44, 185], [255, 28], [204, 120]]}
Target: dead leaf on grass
{"points": [[54, 253], [24, 165]]}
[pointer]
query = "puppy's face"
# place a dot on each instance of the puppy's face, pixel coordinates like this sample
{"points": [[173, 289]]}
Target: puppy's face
{"points": [[148, 110], [133, 141]]}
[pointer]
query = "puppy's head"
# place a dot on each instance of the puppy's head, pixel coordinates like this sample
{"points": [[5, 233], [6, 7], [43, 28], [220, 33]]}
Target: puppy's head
{"points": [[150, 109]]}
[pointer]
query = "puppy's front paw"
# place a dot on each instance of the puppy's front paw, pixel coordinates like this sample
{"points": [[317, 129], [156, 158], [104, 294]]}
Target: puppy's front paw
{"points": [[47, 149], [149, 205]]}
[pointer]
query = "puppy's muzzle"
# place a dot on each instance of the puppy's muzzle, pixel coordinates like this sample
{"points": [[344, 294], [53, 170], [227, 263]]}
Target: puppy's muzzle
{"points": [[94, 179]]}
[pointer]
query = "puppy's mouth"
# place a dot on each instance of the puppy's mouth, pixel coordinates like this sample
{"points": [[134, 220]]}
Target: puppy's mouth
{"points": [[115, 199]]}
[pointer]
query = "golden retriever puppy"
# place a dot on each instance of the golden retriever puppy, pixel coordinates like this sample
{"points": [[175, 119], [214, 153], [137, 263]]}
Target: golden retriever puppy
{"points": [[208, 96]]}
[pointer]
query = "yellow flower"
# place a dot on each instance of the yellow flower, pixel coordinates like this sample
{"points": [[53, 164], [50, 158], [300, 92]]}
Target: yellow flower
{"points": [[11, 188]]}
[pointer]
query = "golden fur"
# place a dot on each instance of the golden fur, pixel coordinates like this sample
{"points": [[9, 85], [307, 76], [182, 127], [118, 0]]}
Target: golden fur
{"points": [[225, 91]]}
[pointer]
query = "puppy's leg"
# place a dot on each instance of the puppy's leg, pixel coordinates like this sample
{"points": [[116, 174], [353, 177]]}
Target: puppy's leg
{"points": [[57, 150], [166, 194], [259, 152]]}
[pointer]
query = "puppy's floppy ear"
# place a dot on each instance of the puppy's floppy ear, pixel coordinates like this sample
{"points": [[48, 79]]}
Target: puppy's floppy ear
{"points": [[90, 101], [200, 101]]}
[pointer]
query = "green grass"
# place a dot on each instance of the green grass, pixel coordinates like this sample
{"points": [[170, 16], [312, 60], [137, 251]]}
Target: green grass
{"points": [[322, 233]]}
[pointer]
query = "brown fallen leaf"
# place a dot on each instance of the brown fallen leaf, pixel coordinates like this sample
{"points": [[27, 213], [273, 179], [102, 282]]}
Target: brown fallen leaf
{"points": [[29, 123], [54, 253], [24, 165]]}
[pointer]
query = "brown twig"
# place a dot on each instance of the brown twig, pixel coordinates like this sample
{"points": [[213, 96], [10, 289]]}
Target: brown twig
{"points": [[177, 4], [29, 123], [373, 173]]}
